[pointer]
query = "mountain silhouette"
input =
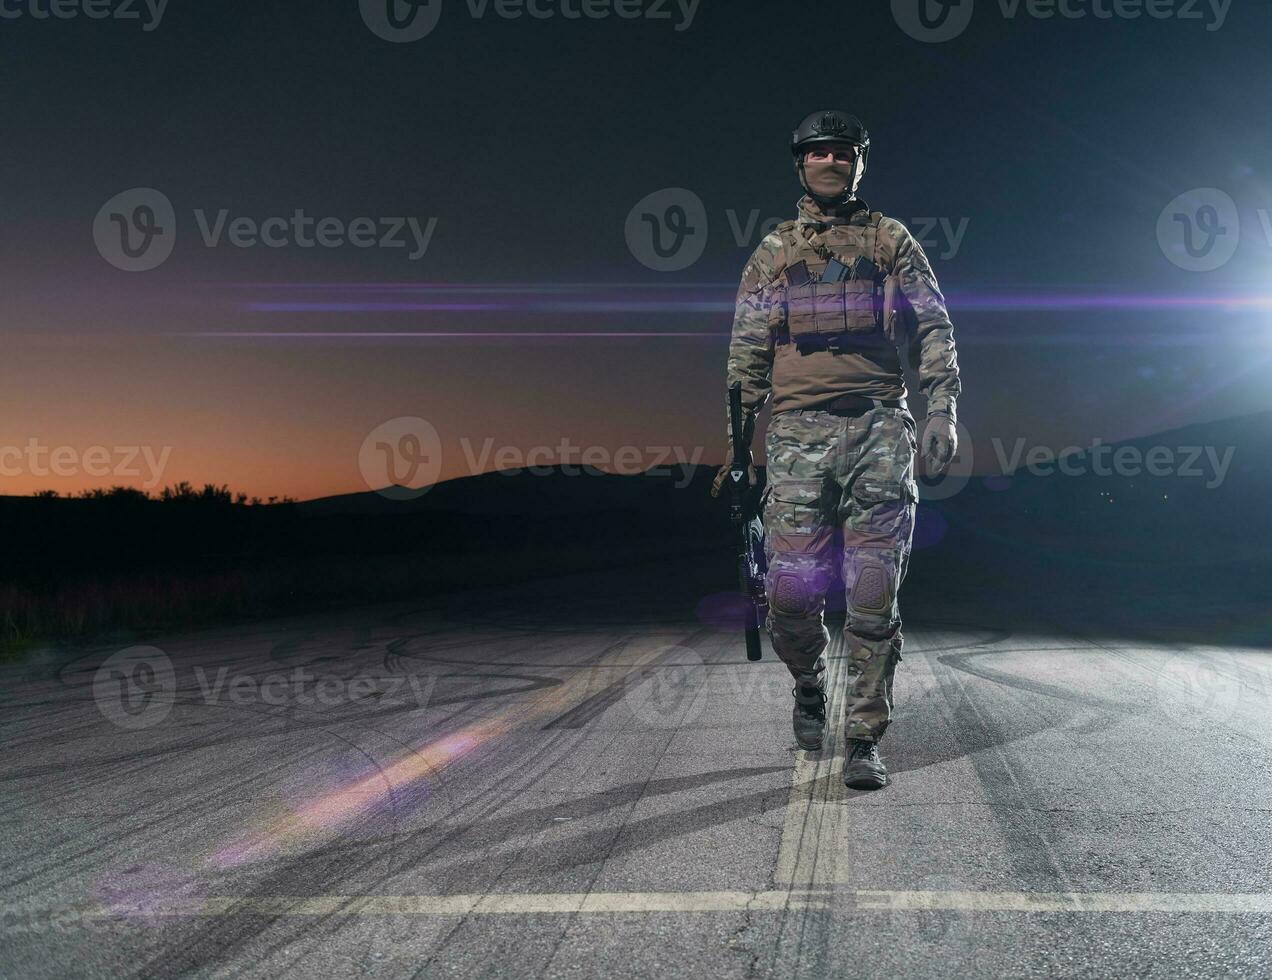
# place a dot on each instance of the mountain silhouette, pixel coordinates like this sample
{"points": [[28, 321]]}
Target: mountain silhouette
{"points": [[1162, 555]]}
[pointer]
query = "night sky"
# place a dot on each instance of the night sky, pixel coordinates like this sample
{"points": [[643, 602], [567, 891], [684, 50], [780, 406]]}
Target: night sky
{"points": [[1055, 144]]}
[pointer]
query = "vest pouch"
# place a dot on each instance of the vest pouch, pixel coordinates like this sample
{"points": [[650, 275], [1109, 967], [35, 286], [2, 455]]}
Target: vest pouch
{"points": [[823, 309]]}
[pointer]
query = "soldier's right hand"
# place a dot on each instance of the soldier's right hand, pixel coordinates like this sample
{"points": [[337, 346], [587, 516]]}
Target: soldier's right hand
{"points": [[722, 477]]}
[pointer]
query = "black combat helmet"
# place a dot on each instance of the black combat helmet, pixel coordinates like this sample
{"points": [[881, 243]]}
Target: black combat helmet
{"points": [[832, 126]]}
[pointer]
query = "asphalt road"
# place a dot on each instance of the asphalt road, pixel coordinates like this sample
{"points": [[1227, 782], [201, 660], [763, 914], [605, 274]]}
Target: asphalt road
{"points": [[580, 779]]}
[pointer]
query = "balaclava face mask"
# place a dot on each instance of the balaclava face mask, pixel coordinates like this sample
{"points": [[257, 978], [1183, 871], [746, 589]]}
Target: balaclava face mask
{"points": [[830, 180]]}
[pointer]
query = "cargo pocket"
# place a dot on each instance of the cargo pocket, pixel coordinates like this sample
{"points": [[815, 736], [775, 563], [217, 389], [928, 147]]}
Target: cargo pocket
{"points": [[883, 515], [868, 491], [796, 517]]}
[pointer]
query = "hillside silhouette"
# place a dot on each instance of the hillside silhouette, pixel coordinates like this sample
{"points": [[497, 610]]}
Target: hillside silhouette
{"points": [[1154, 554]]}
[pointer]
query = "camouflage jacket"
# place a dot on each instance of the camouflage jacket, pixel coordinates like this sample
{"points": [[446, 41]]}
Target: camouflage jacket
{"points": [[797, 378]]}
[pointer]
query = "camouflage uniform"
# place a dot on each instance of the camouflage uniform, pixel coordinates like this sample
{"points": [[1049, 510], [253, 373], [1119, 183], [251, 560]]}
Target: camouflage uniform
{"points": [[853, 475], [840, 477]]}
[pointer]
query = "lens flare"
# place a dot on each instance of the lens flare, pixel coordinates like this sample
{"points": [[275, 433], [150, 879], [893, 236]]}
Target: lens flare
{"points": [[489, 308], [376, 789]]}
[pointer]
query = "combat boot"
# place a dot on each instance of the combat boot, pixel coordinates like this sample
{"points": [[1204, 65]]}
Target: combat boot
{"points": [[809, 714], [863, 769]]}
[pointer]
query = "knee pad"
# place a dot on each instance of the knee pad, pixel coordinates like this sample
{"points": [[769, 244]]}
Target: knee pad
{"points": [[872, 598], [789, 594], [872, 592], [795, 586]]}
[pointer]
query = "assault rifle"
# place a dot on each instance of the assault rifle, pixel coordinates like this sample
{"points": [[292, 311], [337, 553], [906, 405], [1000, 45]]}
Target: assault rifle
{"points": [[748, 529]]}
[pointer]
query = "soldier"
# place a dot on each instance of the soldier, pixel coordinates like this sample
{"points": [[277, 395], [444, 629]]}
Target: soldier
{"points": [[824, 304]]}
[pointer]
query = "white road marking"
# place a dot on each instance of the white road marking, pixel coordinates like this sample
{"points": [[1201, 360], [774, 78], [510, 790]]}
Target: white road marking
{"points": [[518, 904], [18, 920], [1064, 901]]}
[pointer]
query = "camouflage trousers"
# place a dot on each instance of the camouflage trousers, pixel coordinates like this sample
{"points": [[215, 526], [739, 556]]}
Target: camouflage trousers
{"points": [[841, 489]]}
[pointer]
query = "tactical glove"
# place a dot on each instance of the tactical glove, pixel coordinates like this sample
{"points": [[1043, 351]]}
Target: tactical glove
{"points": [[940, 443], [722, 476]]}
